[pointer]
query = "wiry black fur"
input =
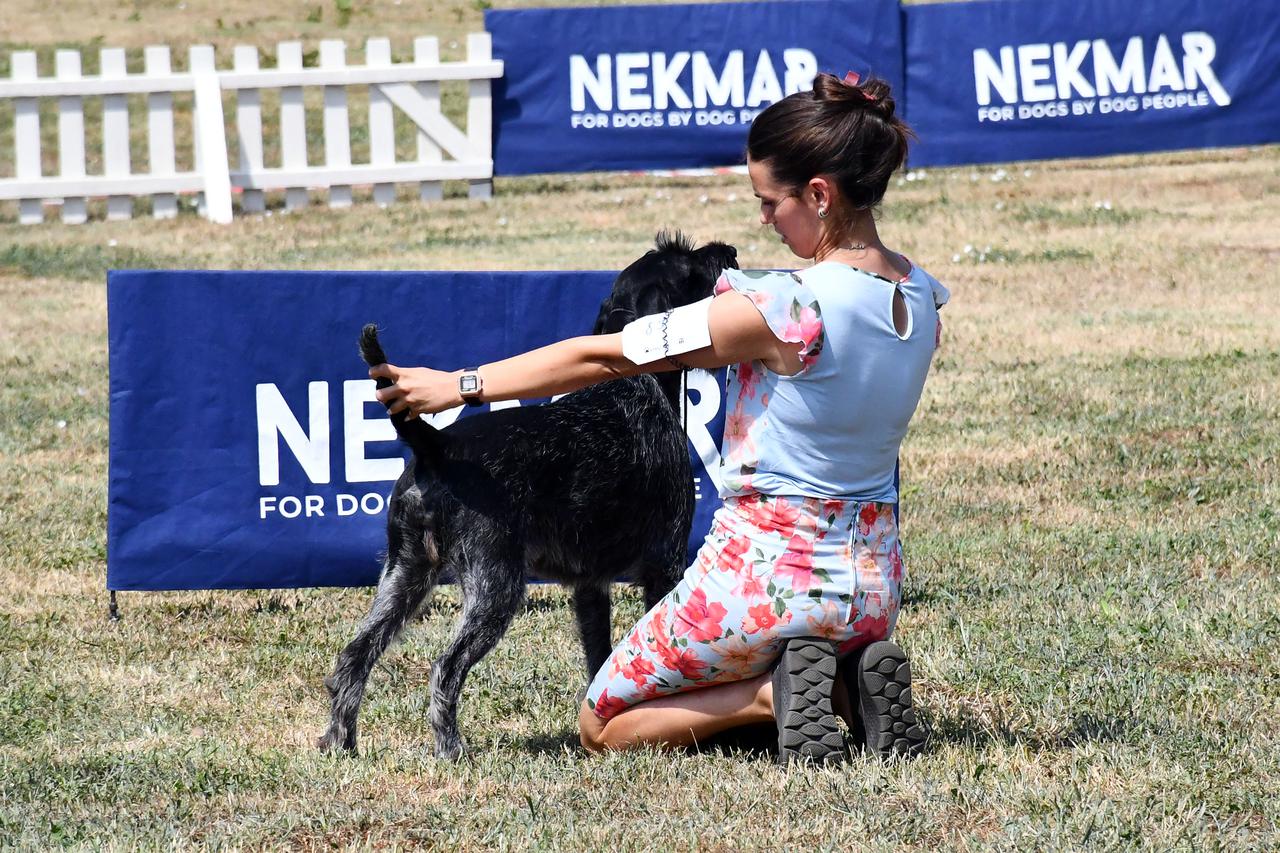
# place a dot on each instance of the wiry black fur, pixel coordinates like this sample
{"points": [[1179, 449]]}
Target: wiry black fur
{"points": [[580, 491]]}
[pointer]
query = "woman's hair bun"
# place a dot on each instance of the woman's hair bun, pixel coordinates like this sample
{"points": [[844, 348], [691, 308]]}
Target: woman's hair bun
{"points": [[847, 129], [871, 95]]}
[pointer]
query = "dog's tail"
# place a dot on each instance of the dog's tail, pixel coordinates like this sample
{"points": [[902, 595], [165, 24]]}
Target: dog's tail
{"points": [[422, 437]]}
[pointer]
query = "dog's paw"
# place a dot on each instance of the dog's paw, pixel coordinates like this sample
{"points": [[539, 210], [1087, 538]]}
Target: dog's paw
{"points": [[329, 742], [453, 751]]}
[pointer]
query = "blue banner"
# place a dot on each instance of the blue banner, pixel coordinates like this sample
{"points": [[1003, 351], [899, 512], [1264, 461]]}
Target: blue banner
{"points": [[641, 87], [1001, 80], [247, 449]]}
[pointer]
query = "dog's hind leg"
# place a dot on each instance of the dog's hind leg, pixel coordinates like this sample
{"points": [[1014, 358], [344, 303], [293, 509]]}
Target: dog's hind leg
{"points": [[664, 565], [401, 590], [591, 603], [491, 596]]}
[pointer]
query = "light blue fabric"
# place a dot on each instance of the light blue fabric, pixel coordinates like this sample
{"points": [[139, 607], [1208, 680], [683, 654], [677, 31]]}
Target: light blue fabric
{"points": [[834, 429]]}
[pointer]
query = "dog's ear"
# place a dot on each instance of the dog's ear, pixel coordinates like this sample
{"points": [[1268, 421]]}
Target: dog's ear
{"points": [[602, 319], [711, 260], [718, 256]]}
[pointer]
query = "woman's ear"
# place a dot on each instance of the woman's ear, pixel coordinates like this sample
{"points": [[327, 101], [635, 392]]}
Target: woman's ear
{"points": [[822, 191]]}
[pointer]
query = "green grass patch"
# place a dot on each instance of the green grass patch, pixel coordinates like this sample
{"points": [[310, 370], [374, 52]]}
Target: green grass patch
{"points": [[80, 262], [1083, 216]]}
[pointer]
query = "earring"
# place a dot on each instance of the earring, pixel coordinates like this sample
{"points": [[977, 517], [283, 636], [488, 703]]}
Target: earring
{"points": [[822, 213]]}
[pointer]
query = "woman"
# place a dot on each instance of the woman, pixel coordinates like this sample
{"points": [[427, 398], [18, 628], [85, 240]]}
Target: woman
{"points": [[826, 366]]}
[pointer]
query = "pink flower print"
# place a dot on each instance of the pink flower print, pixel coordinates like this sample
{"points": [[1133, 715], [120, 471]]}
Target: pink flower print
{"points": [[750, 586], [722, 285], [699, 620], [895, 565], [638, 669], [685, 662], [606, 706], [805, 328], [730, 558], [774, 514], [795, 566], [737, 425], [658, 638], [827, 622], [872, 628], [869, 574], [650, 690], [867, 517], [873, 623], [762, 617], [738, 459], [762, 299], [740, 658], [810, 515], [748, 379]]}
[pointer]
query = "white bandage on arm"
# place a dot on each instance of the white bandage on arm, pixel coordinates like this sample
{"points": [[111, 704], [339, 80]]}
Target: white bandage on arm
{"points": [[657, 336]]}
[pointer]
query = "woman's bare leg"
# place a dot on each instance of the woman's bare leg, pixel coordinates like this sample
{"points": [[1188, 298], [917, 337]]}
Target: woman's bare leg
{"points": [[682, 719]]}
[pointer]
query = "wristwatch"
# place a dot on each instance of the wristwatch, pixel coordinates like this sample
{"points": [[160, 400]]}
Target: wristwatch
{"points": [[470, 385]]}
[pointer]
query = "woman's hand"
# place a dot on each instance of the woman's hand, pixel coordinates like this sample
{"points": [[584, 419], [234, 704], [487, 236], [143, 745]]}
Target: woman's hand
{"points": [[420, 390]]}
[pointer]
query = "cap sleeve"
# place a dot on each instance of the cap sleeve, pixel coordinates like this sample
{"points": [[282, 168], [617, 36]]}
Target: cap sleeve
{"points": [[789, 307]]}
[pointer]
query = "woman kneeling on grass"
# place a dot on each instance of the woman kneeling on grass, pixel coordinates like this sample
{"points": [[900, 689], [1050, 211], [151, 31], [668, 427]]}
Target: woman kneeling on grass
{"points": [[786, 613]]}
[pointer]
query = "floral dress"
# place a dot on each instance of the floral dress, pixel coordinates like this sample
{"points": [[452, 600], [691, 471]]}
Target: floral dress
{"points": [[773, 566]]}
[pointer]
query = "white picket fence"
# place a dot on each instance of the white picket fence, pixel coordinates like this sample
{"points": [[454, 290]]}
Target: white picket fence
{"points": [[444, 152]]}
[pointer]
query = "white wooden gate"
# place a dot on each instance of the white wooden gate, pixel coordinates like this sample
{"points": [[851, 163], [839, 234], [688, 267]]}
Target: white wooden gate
{"points": [[444, 152]]}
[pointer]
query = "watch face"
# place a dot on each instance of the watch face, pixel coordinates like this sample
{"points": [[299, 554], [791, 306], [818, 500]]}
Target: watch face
{"points": [[468, 384]]}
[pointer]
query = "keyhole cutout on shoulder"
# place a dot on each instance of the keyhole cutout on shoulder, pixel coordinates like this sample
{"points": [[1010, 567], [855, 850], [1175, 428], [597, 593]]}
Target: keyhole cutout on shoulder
{"points": [[901, 314]]}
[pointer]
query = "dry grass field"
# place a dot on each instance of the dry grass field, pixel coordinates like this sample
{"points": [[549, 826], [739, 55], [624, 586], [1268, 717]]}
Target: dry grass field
{"points": [[1092, 509]]}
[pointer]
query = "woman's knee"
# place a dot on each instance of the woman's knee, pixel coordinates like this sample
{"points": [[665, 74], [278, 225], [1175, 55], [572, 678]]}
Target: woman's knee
{"points": [[590, 729]]}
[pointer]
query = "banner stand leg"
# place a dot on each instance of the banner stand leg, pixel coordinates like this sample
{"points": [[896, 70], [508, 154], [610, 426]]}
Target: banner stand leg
{"points": [[113, 612]]}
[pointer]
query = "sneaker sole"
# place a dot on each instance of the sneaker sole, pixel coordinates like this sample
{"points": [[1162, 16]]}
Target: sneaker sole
{"points": [[884, 700], [802, 684]]}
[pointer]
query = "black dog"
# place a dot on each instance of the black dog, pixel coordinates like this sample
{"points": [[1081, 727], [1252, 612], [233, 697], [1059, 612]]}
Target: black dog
{"points": [[581, 490]]}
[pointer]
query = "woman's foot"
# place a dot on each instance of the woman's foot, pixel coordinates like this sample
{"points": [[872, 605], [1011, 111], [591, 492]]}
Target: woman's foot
{"points": [[878, 684], [802, 685]]}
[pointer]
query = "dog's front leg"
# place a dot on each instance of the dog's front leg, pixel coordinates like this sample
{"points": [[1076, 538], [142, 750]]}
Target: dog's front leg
{"points": [[591, 603]]}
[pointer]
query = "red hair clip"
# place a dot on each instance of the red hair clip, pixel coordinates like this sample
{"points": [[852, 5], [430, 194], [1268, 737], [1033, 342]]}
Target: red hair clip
{"points": [[851, 78]]}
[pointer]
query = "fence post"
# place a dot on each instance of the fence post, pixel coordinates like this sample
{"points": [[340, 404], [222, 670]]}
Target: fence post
{"points": [[337, 129], [160, 149], [249, 129], [71, 136], [426, 51], [26, 138], [480, 112], [382, 127], [115, 133], [293, 123], [211, 135]]}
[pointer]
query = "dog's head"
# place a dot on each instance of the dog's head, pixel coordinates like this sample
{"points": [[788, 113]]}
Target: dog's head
{"points": [[671, 274]]}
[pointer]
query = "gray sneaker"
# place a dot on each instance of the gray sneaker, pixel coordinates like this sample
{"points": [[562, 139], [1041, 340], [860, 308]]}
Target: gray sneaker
{"points": [[879, 682], [802, 682]]}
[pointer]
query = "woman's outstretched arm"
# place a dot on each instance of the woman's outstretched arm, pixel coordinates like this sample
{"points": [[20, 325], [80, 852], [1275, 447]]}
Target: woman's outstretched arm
{"points": [[738, 333]]}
